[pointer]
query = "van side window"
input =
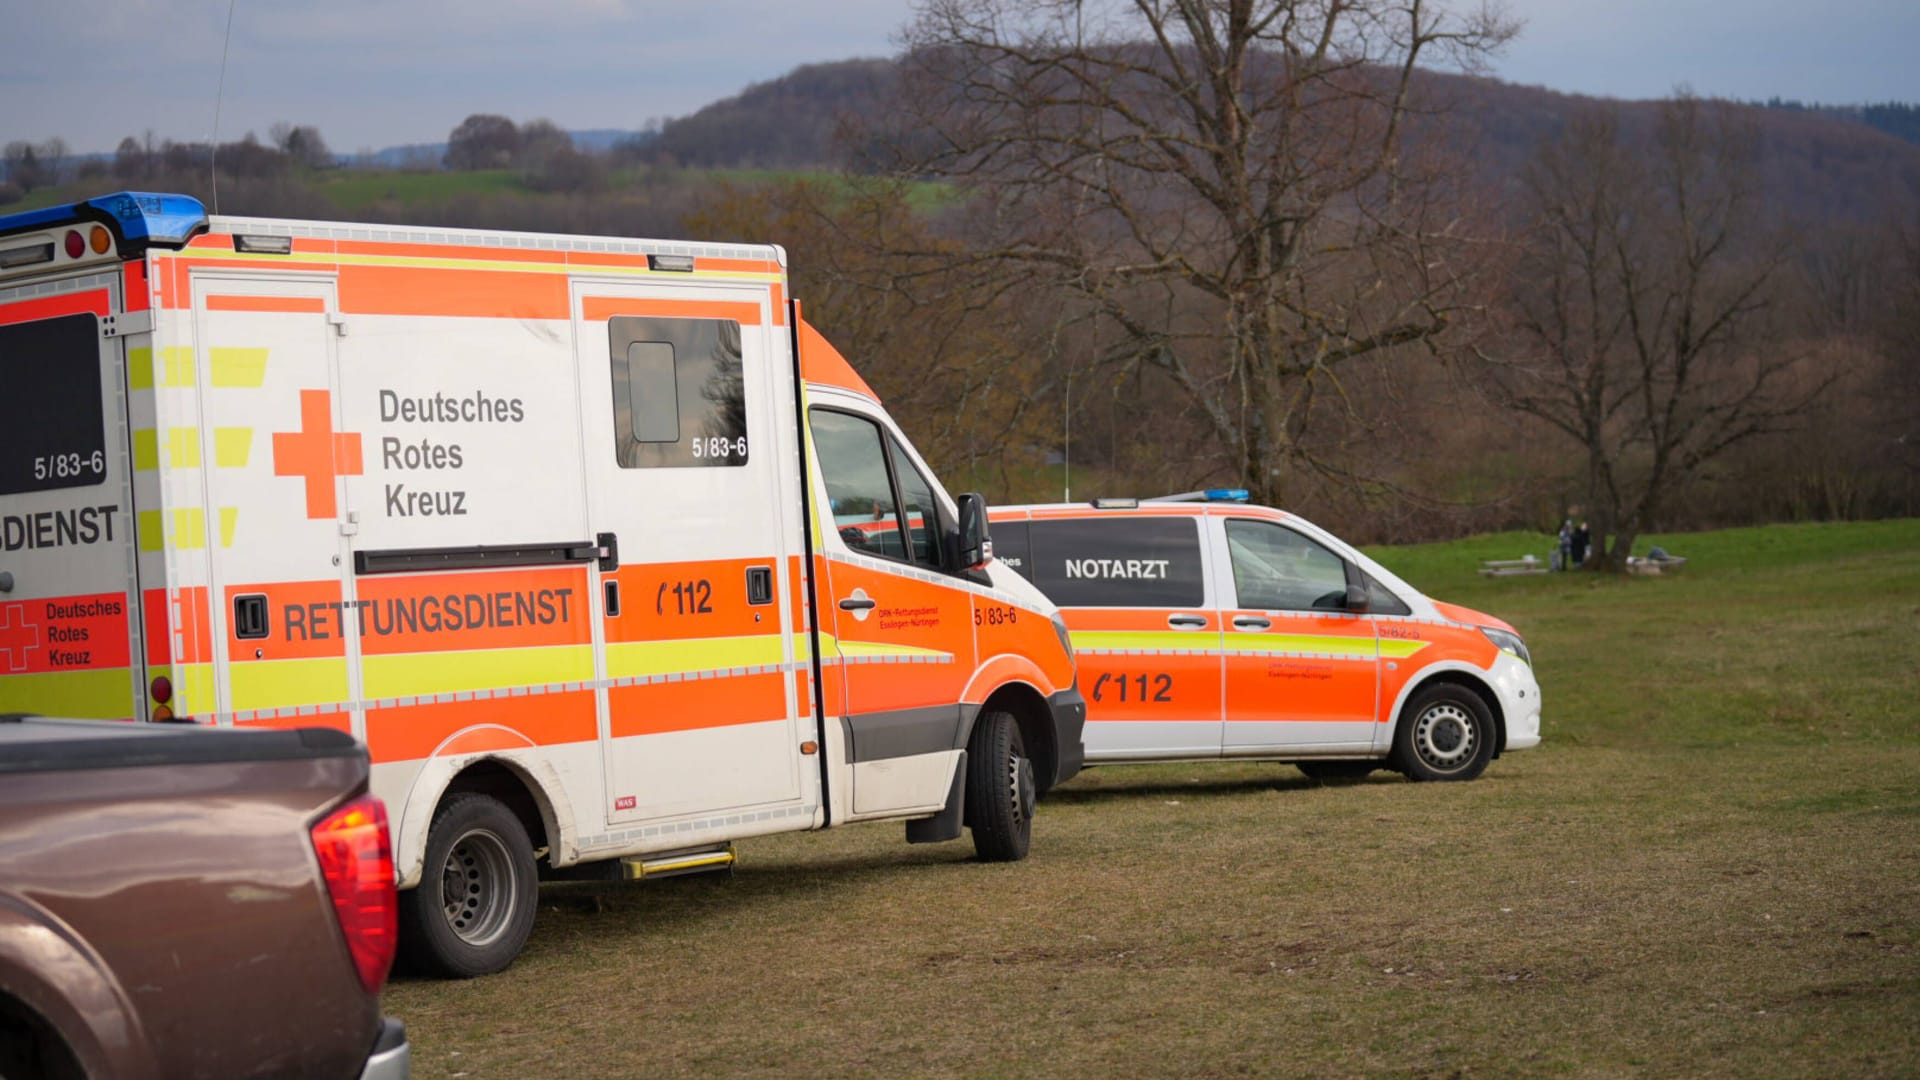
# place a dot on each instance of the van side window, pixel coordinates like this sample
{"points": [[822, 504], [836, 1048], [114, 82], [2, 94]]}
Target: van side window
{"points": [[923, 514], [1380, 599], [1117, 562], [679, 392], [853, 462], [1277, 569]]}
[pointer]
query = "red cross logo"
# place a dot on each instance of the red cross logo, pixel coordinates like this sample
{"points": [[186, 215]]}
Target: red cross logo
{"points": [[17, 636], [316, 452]]}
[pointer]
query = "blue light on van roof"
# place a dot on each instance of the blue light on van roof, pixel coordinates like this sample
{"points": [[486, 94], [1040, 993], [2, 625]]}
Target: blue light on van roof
{"points": [[1227, 494]]}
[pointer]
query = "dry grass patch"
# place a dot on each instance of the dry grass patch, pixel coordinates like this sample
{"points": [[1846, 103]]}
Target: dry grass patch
{"points": [[1710, 868]]}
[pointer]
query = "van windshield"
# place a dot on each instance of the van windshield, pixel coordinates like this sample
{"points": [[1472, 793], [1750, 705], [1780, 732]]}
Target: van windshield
{"points": [[52, 434]]}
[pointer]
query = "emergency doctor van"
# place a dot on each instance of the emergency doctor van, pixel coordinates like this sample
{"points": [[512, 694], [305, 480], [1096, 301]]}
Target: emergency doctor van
{"points": [[1208, 628], [608, 557]]}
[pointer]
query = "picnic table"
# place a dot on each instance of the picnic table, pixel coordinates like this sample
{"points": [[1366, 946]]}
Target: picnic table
{"points": [[1526, 564]]}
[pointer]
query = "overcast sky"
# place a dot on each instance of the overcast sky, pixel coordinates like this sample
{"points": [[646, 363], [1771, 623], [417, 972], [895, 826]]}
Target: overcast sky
{"points": [[376, 73]]}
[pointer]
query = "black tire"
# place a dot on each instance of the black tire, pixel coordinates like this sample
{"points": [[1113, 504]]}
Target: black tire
{"points": [[473, 909], [1445, 733], [1337, 772], [1000, 789], [31, 1050]]}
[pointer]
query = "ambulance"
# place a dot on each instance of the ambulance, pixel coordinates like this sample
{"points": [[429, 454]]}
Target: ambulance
{"points": [[1208, 628], [608, 557]]}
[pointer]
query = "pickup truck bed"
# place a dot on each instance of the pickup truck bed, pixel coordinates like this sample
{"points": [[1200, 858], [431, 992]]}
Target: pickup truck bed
{"points": [[165, 910]]}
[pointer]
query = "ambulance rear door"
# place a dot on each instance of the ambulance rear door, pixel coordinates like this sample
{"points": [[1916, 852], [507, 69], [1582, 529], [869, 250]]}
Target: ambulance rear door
{"points": [[68, 584]]}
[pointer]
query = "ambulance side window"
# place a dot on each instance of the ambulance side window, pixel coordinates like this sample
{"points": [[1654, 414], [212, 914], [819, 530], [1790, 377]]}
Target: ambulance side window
{"points": [[679, 392], [853, 462], [1117, 562], [923, 514], [52, 434]]}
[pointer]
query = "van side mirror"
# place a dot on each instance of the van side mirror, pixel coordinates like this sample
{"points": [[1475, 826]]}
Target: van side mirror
{"points": [[975, 548], [1358, 601]]}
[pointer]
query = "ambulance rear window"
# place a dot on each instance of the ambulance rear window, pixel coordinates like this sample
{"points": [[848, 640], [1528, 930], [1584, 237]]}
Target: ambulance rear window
{"points": [[52, 433], [1117, 562], [679, 392]]}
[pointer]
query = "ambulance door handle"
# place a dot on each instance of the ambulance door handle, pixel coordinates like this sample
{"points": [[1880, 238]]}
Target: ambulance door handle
{"points": [[1251, 622], [1187, 622], [856, 603]]}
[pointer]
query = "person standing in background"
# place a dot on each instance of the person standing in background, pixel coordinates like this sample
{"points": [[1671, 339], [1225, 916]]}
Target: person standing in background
{"points": [[1563, 547], [1581, 540]]}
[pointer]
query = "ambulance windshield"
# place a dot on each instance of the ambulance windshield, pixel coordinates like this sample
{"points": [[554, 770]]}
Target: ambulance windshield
{"points": [[52, 434]]}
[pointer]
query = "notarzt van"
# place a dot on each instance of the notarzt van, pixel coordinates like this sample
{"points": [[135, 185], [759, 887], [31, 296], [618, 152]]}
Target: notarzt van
{"points": [[1208, 628], [607, 556]]}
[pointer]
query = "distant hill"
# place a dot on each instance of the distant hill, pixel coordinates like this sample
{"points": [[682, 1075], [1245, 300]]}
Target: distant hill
{"points": [[430, 155], [1818, 163], [786, 123]]}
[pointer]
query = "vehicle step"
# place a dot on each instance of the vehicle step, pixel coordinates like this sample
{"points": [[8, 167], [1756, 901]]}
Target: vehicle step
{"points": [[673, 864]]}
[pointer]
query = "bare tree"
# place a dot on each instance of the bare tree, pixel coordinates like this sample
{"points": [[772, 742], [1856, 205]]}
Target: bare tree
{"points": [[1223, 188], [1642, 309]]}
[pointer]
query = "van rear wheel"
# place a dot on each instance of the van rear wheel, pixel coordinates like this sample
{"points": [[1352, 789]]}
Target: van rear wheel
{"points": [[1000, 789], [473, 910]]}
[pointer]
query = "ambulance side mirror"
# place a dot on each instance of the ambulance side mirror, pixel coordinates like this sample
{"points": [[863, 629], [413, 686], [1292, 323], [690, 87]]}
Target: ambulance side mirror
{"points": [[975, 547]]}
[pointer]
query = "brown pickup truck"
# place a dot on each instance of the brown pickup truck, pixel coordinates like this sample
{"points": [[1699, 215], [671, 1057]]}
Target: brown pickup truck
{"points": [[180, 901]]}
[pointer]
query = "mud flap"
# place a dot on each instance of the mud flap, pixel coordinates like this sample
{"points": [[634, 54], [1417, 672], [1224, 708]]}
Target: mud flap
{"points": [[946, 824]]}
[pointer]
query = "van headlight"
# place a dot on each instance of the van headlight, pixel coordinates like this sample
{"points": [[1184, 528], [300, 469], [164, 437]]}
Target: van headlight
{"points": [[1066, 639], [1508, 642]]}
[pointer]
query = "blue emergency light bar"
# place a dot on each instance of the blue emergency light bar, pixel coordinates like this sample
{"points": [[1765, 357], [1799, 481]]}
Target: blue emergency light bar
{"points": [[1208, 495], [139, 219]]}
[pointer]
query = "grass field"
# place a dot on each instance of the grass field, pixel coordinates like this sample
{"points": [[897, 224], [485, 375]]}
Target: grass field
{"points": [[1712, 866]]}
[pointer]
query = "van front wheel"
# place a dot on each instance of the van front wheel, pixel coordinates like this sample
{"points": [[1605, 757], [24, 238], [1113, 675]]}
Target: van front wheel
{"points": [[473, 910], [1000, 789], [1445, 733]]}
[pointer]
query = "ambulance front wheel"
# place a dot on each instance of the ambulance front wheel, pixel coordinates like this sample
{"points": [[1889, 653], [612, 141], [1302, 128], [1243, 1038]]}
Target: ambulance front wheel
{"points": [[1000, 789], [1445, 733], [473, 909]]}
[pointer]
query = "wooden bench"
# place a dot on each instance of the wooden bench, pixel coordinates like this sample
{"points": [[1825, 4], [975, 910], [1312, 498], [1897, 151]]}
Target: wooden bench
{"points": [[1512, 567]]}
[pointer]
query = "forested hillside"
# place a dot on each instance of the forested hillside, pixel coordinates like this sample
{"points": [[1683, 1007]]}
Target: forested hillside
{"points": [[1023, 383]]}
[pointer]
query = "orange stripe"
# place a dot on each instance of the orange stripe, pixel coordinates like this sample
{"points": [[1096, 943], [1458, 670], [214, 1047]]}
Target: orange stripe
{"points": [[453, 251], [134, 278], [499, 294], [488, 609], [411, 732], [650, 609], [779, 304], [304, 621], [153, 614], [94, 302], [267, 303], [692, 706], [338, 721], [192, 617], [602, 308]]}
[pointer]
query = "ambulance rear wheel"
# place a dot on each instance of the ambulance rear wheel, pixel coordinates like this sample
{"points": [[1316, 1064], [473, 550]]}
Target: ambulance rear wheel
{"points": [[1445, 733], [473, 909], [1000, 789]]}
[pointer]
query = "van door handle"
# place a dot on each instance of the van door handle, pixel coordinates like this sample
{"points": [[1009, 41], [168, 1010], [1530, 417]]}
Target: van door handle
{"points": [[1251, 622], [856, 603], [1187, 622]]}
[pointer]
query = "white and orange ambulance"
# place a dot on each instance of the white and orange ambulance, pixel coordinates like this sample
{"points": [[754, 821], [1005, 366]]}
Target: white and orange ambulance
{"points": [[1209, 628], [608, 557]]}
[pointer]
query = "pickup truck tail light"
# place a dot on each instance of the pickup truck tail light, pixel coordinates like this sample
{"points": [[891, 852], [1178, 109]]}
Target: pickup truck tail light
{"points": [[356, 857]]}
